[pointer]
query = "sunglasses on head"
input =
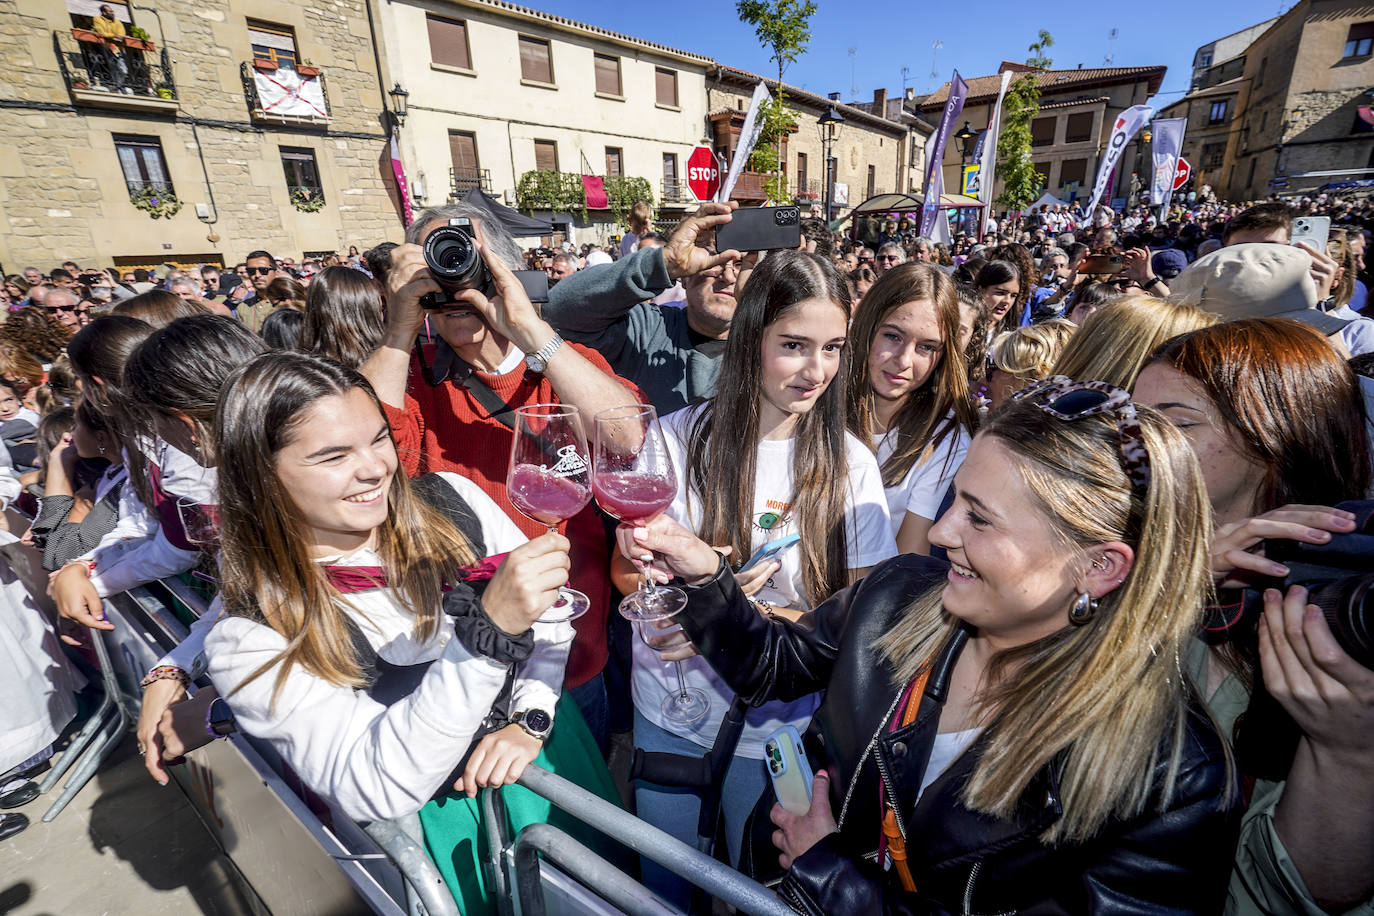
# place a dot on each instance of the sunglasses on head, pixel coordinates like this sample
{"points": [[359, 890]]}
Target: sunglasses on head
{"points": [[1065, 399], [262, 271]]}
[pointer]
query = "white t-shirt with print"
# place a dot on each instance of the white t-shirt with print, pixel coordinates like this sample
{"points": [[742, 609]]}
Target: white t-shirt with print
{"points": [[869, 540], [923, 488]]}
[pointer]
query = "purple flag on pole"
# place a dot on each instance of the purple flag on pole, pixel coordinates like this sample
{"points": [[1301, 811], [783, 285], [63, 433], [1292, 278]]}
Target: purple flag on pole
{"points": [[954, 106]]}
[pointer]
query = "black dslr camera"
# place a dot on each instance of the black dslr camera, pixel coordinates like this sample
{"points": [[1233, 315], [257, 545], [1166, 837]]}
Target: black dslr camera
{"points": [[1339, 577], [455, 264]]}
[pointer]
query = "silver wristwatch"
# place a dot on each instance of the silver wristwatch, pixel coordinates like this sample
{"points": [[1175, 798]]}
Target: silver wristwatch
{"points": [[535, 722], [538, 361]]}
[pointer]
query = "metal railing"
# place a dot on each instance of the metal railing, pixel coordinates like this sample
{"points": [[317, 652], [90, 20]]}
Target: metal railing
{"points": [[750, 186], [675, 191], [716, 878], [136, 185], [92, 66], [247, 72], [810, 189], [461, 181]]}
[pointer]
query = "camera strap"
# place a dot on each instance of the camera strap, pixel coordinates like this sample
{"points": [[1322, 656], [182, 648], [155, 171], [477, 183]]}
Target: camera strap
{"points": [[491, 402]]}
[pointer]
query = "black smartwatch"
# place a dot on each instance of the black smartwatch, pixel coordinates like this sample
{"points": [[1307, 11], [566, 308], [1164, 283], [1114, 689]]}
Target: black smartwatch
{"points": [[536, 722], [219, 719]]}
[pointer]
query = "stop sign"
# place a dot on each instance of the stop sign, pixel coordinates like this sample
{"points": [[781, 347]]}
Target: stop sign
{"points": [[1182, 173], [703, 174]]}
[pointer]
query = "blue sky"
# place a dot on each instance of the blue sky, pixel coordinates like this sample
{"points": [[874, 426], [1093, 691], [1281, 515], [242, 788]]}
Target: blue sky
{"points": [[976, 36]]}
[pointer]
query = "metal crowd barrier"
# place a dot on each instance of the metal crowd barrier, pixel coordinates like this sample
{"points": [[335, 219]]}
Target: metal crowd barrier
{"points": [[301, 856]]}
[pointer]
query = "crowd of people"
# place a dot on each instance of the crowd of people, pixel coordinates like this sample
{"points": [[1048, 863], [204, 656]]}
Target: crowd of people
{"points": [[1038, 506]]}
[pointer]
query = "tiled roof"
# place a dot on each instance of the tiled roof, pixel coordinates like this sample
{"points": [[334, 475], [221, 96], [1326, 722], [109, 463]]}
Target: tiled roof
{"points": [[984, 88], [1069, 103]]}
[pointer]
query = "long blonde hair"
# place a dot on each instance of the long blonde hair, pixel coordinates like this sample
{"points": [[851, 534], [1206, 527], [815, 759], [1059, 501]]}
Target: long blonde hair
{"points": [[936, 410], [1114, 342], [1110, 696], [266, 571]]}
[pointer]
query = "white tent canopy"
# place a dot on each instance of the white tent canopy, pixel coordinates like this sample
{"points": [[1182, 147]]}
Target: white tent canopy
{"points": [[1047, 200]]}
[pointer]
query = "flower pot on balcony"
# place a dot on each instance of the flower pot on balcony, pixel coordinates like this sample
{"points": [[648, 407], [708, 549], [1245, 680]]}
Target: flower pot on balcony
{"points": [[306, 70], [265, 66], [86, 35], [138, 44], [80, 84], [163, 92]]}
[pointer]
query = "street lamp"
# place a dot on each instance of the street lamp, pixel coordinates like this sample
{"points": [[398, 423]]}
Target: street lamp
{"points": [[965, 135], [829, 124], [399, 98]]}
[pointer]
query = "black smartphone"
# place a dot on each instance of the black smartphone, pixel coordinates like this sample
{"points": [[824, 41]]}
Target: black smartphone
{"points": [[761, 229]]}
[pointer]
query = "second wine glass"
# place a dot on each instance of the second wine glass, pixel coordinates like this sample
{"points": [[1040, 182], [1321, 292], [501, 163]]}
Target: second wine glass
{"points": [[634, 481], [549, 480]]}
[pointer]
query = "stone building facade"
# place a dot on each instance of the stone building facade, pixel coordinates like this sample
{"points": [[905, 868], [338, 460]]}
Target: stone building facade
{"points": [[190, 117], [871, 152], [497, 91], [1077, 110], [1298, 114]]}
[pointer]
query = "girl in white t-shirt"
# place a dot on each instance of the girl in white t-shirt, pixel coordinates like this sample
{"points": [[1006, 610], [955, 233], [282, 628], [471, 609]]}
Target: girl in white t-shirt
{"points": [[910, 397], [768, 456]]}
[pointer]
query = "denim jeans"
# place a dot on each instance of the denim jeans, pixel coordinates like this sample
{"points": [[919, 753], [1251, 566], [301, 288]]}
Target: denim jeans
{"points": [[675, 810], [592, 702]]}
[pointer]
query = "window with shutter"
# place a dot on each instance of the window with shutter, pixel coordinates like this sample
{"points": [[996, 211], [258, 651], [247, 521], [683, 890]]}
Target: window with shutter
{"points": [[665, 87], [275, 43], [670, 166], [607, 74], [448, 42], [1078, 127], [1360, 41], [1042, 132], [462, 147], [1071, 170], [535, 63], [546, 155], [801, 172], [141, 160], [872, 180], [613, 160]]}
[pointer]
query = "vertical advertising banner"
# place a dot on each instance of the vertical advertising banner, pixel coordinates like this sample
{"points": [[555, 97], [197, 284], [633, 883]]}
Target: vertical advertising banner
{"points": [[748, 138], [935, 164], [1127, 123], [1164, 150], [987, 161]]}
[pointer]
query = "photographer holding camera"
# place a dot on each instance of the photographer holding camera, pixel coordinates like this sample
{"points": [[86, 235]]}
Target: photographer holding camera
{"points": [[1277, 422], [446, 402]]}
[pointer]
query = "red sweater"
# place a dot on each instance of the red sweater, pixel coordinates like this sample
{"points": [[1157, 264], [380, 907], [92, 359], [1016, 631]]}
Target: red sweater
{"points": [[444, 428]]}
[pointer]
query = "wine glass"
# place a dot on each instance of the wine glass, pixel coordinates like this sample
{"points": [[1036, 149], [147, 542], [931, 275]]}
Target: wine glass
{"points": [[633, 479], [200, 522], [548, 480]]}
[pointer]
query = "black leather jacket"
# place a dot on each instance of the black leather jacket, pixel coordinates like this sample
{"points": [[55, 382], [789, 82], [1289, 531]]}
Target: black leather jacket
{"points": [[1174, 860]]}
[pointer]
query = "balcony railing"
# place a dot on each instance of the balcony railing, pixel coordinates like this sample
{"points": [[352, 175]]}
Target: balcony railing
{"points": [[810, 191], [133, 78], [675, 191], [749, 187], [461, 181], [284, 96]]}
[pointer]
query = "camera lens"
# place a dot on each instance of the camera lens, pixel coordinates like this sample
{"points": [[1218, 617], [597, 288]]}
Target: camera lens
{"points": [[450, 253], [1348, 606]]}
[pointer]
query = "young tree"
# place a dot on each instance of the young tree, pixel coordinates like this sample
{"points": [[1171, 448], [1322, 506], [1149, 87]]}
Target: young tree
{"points": [[784, 27], [1021, 183]]}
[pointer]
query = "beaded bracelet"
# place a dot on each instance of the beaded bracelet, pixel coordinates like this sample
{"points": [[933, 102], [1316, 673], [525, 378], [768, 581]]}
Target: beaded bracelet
{"points": [[166, 673]]}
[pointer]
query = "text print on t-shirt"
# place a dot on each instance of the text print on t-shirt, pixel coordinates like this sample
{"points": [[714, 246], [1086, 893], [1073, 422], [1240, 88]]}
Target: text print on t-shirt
{"points": [[775, 515]]}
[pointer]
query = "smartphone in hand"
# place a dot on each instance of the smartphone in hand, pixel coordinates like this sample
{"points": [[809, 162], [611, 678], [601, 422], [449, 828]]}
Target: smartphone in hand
{"points": [[772, 550], [789, 769]]}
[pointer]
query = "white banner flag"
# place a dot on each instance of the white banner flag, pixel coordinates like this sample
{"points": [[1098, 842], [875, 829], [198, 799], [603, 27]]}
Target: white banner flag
{"points": [[748, 136], [1127, 123], [987, 168], [1168, 142], [285, 92]]}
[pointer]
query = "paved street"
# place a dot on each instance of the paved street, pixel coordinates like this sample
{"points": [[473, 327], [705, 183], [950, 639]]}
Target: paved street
{"points": [[123, 846]]}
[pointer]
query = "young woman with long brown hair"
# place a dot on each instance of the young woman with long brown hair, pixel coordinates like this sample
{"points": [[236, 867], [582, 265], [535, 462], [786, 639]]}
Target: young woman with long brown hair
{"points": [[766, 457], [1012, 731], [1277, 421], [908, 393], [371, 625], [343, 316]]}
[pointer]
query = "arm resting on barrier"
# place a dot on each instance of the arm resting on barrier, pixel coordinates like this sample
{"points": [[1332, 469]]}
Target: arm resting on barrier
{"points": [[373, 761]]}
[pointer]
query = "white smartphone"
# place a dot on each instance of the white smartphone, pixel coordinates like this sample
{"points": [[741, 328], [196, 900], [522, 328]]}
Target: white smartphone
{"points": [[771, 550], [1314, 230], [789, 769]]}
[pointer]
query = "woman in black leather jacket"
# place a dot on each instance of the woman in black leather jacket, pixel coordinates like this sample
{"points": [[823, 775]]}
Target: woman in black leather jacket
{"points": [[1012, 732]]}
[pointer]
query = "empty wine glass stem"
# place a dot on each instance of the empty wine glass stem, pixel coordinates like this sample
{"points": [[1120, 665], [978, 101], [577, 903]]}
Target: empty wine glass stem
{"points": [[681, 681]]}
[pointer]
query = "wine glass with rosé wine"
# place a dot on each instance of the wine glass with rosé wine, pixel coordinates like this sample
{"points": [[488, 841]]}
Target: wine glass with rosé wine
{"points": [[633, 479], [550, 480]]}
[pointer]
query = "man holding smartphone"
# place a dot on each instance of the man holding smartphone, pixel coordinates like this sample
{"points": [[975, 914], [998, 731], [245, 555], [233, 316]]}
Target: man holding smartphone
{"points": [[673, 354]]}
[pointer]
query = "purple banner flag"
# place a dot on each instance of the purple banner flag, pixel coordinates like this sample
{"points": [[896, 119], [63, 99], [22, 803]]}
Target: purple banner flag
{"points": [[954, 106]]}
